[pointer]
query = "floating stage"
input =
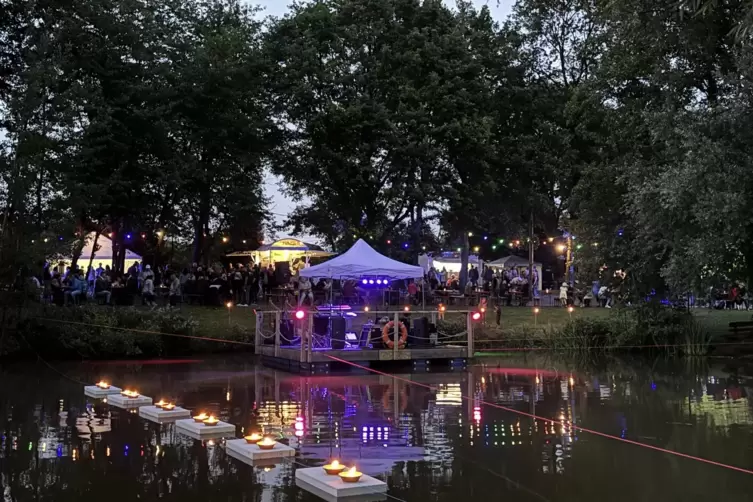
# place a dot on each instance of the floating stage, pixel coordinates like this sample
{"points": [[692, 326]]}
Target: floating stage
{"points": [[120, 401], [98, 392], [160, 416], [333, 489], [251, 454], [188, 427], [325, 342]]}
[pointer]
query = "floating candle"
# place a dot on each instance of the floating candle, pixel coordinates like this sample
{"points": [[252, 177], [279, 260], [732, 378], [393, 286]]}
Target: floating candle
{"points": [[212, 420], [200, 417], [266, 444], [103, 385], [351, 475], [334, 468], [253, 438]]}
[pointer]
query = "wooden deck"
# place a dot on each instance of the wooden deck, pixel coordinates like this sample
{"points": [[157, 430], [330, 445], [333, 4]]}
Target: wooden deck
{"points": [[446, 358]]}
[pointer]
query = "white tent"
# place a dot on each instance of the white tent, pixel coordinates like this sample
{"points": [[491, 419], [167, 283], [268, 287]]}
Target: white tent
{"points": [[361, 260], [448, 261], [515, 262], [103, 254]]}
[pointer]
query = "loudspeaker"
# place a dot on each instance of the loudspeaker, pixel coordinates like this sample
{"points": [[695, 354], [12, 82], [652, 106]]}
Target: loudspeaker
{"points": [[420, 332], [282, 272], [321, 325], [337, 332]]}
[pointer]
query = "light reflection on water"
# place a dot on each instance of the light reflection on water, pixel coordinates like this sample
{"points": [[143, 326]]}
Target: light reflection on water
{"points": [[439, 443]]}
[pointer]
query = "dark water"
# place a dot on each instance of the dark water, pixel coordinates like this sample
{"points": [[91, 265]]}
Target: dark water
{"points": [[429, 444]]}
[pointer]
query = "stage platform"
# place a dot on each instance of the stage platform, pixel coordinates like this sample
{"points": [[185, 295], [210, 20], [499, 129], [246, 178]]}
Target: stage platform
{"points": [[445, 358]]}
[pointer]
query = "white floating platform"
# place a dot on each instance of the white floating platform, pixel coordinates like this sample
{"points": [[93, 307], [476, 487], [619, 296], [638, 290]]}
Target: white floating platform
{"points": [[332, 488], [99, 392], [200, 431], [128, 402], [154, 414], [253, 455]]}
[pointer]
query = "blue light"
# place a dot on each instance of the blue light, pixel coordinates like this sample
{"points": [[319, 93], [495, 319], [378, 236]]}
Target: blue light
{"points": [[128, 236], [486, 237], [405, 245], [371, 281], [365, 429], [379, 281], [365, 281]]}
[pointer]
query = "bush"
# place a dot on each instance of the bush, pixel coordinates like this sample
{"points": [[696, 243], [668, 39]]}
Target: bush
{"points": [[97, 332]]}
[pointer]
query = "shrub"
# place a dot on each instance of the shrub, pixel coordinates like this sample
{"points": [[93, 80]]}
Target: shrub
{"points": [[98, 332]]}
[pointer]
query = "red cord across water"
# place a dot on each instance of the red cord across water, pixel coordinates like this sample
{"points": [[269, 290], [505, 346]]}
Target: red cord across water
{"points": [[548, 420]]}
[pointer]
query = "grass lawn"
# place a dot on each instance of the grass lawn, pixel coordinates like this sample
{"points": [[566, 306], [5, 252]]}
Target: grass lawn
{"points": [[216, 320]]}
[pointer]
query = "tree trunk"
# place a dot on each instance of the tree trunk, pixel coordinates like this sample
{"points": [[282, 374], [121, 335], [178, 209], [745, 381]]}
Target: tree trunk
{"points": [[463, 262], [94, 249], [530, 257]]}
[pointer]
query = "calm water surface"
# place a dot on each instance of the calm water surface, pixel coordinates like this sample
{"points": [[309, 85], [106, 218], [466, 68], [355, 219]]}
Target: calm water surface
{"points": [[428, 444]]}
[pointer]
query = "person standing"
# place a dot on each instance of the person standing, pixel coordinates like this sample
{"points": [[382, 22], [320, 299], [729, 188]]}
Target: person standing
{"points": [[175, 290], [304, 290]]}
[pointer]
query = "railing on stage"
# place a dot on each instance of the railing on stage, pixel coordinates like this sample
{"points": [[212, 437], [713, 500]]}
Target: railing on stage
{"points": [[290, 334]]}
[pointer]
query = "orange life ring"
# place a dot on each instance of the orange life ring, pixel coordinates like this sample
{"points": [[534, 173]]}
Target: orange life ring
{"points": [[386, 335]]}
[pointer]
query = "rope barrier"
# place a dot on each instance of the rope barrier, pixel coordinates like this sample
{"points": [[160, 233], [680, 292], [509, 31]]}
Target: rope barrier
{"points": [[555, 422]]}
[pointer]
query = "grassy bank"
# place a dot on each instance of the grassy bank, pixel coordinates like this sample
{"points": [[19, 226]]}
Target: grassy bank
{"points": [[103, 332]]}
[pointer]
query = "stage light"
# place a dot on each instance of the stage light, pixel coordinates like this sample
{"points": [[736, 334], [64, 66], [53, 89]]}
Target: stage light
{"points": [[476, 316], [371, 281], [364, 281], [406, 308], [379, 281], [405, 245], [300, 314], [128, 236]]}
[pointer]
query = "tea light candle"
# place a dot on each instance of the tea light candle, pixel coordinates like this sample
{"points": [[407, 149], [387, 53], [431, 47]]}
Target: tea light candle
{"points": [[266, 444], [160, 404], [130, 393], [253, 438], [103, 385], [212, 420], [334, 468], [351, 475], [200, 417], [168, 407]]}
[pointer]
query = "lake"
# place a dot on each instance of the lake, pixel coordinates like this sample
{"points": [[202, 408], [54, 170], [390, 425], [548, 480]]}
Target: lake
{"points": [[431, 437]]}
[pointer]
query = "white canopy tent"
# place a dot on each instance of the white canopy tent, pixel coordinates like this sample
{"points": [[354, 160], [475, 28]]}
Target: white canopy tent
{"points": [[450, 262], [362, 260], [103, 254], [515, 262]]}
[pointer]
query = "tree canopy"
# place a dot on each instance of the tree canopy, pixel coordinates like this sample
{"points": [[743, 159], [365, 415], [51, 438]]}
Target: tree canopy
{"points": [[624, 123]]}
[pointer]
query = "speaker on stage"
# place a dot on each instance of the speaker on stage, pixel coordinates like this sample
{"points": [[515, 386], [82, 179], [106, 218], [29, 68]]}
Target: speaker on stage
{"points": [[420, 332], [337, 332], [321, 325]]}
